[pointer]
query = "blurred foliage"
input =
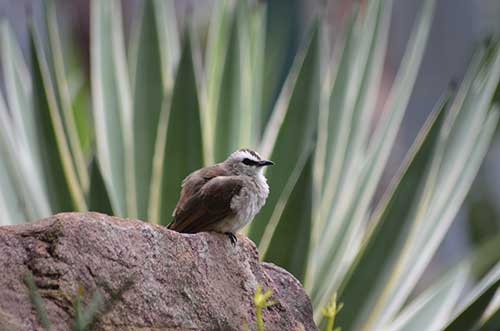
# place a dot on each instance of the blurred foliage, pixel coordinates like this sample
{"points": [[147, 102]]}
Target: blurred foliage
{"points": [[85, 317], [483, 217], [164, 104]]}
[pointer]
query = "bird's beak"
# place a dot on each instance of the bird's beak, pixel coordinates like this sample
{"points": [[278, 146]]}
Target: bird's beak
{"points": [[265, 163]]}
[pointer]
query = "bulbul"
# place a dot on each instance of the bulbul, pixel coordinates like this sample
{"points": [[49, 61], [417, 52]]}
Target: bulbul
{"points": [[223, 197]]}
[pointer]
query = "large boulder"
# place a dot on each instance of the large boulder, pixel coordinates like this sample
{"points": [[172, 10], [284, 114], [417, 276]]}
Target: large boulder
{"points": [[180, 281]]}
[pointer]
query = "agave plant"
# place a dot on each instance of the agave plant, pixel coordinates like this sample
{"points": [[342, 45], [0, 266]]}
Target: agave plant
{"points": [[165, 103]]}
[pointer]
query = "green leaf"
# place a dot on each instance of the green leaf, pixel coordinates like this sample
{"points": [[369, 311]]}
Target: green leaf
{"points": [[350, 106], [18, 93], [148, 100], [64, 189], [344, 123], [281, 44], [288, 134], [479, 150], [372, 49], [90, 314], [468, 316], [333, 115], [112, 106], [431, 309], [37, 302], [168, 36], [12, 210], [238, 111], [289, 247], [15, 177], [179, 146], [492, 322], [463, 143], [62, 92], [83, 119], [389, 223], [215, 57], [98, 196], [251, 40], [227, 110], [342, 230]]}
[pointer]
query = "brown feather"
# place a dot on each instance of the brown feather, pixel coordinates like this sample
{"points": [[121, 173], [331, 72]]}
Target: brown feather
{"points": [[205, 199]]}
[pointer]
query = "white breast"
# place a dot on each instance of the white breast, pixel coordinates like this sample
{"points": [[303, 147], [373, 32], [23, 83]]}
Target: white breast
{"points": [[247, 203]]}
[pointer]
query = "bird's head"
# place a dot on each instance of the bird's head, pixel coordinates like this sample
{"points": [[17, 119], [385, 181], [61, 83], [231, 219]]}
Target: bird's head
{"points": [[246, 162]]}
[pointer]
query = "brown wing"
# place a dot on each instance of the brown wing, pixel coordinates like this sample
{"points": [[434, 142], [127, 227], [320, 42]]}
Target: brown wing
{"points": [[204, 202], [192, 184]]}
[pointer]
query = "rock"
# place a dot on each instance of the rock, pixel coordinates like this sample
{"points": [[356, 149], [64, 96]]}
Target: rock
{"points": [[180, 281]]}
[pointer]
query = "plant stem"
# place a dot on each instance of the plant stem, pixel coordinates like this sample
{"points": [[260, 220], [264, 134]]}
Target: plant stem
{"points": [[260, 322], [329, 324]]}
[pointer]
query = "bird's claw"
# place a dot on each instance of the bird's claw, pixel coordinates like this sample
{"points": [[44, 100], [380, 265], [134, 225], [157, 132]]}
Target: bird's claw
{"points": [[232, 237]]}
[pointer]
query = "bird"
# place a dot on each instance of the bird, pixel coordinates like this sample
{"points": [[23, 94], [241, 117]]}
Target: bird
{"points": [[223, 197]]}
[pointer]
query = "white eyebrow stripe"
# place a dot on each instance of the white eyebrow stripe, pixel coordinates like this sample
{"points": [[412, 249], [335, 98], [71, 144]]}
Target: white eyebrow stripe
{"points": [[245, 155]]}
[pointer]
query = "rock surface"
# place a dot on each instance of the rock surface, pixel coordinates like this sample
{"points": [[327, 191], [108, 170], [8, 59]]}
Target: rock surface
{"points": [[181, 281]]}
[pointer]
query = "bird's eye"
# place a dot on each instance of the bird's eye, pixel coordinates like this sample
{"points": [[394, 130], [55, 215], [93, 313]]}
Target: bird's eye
{"points": [[249, 162]]}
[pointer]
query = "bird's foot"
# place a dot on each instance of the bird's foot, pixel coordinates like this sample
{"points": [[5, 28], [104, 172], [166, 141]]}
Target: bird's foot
{"points": [[232, 237]]}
